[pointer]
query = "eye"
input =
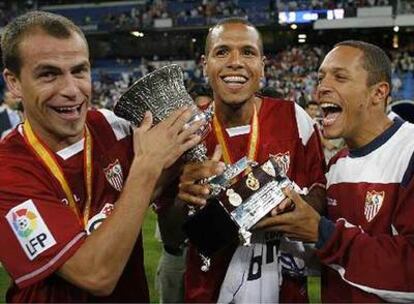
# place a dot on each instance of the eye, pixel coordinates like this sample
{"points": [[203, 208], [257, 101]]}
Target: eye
{"points": [[341, 78], [320, 78], [249, 52], [47, 75], [81, 71], [221, 52]]}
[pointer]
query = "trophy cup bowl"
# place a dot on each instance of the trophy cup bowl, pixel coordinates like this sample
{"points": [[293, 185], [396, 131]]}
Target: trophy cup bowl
{"points": [[162, 92]]}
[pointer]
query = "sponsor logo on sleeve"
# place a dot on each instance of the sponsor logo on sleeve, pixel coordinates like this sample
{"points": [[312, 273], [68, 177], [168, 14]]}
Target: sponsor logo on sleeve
{"points": [[30, 229], [114, 176], [96, 221], [373, 203]]}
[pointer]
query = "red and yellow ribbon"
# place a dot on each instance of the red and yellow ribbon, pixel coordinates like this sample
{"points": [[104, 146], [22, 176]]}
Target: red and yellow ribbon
{"points": [[48, 159], [253, 139]]}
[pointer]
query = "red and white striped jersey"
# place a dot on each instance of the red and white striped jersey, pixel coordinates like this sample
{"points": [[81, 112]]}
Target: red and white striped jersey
{"points": [[370, 196], [286, 131], [39, 231]]}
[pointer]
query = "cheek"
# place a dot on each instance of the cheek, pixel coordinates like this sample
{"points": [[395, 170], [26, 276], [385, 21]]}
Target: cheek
{"points": [[85, 87]]}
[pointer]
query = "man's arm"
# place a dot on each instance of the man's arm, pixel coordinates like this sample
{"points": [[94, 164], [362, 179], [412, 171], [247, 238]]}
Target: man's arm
{"points": [[379, 264], [99, 262]]}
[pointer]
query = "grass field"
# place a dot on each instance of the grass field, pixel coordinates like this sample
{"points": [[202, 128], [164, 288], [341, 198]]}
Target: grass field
{"points": [[152, 254]]}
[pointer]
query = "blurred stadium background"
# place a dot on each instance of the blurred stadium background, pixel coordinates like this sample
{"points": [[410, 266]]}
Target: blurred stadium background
{"points": [[131, 38]]}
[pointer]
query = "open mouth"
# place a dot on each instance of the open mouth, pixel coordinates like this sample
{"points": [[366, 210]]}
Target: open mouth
{"points": [[68, 112], [234, 81], [331, 112]]}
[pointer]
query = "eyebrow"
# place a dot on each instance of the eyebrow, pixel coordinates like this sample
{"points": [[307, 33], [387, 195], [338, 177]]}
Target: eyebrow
{"points": [[81, 65], [50, 67], [246, 46], [45, 67], [335, 70]]}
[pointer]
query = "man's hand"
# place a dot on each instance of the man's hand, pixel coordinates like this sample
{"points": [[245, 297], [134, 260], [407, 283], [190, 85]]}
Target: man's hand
{"points": [[301, 223], [196, 194], [168, 140]]}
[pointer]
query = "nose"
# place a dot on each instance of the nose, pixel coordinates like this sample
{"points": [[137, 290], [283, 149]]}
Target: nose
{"points": [[323, 88], [234, 60], [70, 87]]}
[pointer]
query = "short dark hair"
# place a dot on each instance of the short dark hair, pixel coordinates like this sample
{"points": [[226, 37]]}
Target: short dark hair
{"points": [[55, 25], [311, 103], [375, 61], [231, 20], [201, 90]]}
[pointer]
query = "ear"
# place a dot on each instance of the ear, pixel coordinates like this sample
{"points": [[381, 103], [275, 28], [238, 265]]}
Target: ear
{"points": [[13, 83], [263, 66], [380, 93]]}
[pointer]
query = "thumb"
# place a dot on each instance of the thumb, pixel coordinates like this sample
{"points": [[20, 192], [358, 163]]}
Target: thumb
{"points": [[146, 123], [217, 153]]}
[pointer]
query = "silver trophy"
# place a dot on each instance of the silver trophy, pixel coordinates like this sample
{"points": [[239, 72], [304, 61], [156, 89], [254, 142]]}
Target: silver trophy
{"points": [[231, 214], [162, 92]]}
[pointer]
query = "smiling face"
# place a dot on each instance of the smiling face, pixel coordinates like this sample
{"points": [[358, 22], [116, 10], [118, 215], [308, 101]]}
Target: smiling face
{"points": [[55, 86], [344, 95], [234, 63]]}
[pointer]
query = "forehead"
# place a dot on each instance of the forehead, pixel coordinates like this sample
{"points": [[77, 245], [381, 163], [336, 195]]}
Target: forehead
{"points": [[51, 48], [234, 34], [345, 58]]}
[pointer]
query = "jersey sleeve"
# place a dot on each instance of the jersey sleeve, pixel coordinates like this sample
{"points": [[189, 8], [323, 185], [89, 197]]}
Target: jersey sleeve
{"points": [[379, 264], [38, 231]]}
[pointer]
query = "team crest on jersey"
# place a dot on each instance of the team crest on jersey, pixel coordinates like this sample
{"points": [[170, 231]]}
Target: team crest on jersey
{"points": [[30, 229], [114, 175], [282, 160], [95, 221], [373, 203]]}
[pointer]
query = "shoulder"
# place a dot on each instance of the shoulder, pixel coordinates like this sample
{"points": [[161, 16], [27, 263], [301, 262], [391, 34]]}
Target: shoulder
{"points": [[290, 114], [104, 119]]}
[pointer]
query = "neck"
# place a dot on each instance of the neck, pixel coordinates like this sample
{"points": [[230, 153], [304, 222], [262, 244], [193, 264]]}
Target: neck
{"points": [[369, 132], [237, 115], [53, 142]]}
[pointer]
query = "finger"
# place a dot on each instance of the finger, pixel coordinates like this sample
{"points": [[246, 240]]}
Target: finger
{"points": [[217, 153], [172, 118], [268, 222], [284, 206], [191, 142], [185, 133], [293, 195], [146, 122], [180, 121], [195, 171], [198, 190], [178, 152], [192, 200]]}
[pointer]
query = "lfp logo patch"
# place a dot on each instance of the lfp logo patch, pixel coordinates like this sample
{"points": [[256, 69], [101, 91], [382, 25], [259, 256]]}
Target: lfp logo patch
{"points": [[30, 229], [24, 222]]}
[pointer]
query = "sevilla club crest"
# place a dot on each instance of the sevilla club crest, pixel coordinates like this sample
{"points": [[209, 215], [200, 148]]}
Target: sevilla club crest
{"points": [[373, 203], [282, 160], [114, 175]]}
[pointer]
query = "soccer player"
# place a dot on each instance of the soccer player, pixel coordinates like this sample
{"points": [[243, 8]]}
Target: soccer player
{"points": [[365, 243], [74, 184], [246, 124]]}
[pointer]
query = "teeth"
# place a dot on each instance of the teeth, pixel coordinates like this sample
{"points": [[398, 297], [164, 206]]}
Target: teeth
{"points": [[67, 109], [238, 79], [325, 105]]}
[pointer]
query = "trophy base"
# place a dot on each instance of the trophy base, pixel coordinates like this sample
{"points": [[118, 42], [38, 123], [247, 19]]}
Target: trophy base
{"points": [[211, 228]]}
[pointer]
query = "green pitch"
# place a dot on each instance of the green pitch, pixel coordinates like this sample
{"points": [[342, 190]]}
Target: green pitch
{"points": [[152, 254]]}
